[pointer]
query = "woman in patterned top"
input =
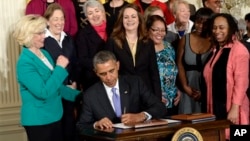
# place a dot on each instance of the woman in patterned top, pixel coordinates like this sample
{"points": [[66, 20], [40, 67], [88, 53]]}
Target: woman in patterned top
{"points": [[165, 55]]}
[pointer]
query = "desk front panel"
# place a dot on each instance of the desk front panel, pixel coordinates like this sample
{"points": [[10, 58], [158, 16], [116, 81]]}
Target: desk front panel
{"points": [[210, 131]]}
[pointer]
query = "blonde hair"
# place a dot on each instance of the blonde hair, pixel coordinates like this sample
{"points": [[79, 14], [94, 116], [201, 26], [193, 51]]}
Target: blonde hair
{"points": [[26, 27], [177, 3], [149, 10]]}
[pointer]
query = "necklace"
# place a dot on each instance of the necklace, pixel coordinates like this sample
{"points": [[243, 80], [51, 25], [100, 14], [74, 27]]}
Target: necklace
{"points": [[40, 55]]}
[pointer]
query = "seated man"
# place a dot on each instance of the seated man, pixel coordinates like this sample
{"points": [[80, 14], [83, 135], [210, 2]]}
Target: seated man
{"points": [[136, 102]]}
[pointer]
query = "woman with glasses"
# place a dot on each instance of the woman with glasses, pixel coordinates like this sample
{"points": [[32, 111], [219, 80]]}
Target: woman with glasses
{"points": [[134, 50], [155, 10], [41, 82], [165, 56]]}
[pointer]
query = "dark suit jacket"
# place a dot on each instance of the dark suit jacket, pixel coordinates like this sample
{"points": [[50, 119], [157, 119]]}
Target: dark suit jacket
{"points": [[145, 63], [88, 43], [68, 50], [134, 94]]}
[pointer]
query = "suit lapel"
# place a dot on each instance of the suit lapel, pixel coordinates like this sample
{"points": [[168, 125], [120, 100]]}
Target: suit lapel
{"points": [[103, 100], [126, 47], [138, 50], [46, 54], [92, 34], [130, 59], [36, 60], [124, 95]]}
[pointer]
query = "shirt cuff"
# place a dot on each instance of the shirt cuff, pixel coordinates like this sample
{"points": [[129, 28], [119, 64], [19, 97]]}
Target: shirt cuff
{"points": [[148, 116], [94, 125]]}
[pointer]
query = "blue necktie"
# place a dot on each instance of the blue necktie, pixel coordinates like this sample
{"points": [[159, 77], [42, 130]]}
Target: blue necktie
{"points": [[116, 102]]}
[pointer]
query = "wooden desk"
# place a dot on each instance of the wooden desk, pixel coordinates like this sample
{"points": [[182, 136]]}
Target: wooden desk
{"points": [[210, 131]]}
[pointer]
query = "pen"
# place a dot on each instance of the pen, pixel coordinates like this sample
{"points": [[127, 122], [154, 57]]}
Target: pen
{"points": [[124, 110]]}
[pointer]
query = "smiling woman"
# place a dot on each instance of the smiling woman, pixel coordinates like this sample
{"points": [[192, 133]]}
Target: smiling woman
{"points": [[165, 56], [226, 73], [40, 81], [134, 50], [57, 42], [90, 40], [193, 50]]}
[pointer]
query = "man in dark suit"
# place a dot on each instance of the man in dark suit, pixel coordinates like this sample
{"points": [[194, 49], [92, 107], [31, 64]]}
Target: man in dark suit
{"points": [[137, 103]]}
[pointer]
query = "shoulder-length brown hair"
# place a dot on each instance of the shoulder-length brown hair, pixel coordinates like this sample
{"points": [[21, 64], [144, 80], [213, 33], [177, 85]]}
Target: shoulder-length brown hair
{"points": [[119, 33], [51, 9]]}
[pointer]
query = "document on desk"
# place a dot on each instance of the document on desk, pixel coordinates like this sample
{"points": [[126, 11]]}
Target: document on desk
{"points": [[172, 121], [149, 123]]}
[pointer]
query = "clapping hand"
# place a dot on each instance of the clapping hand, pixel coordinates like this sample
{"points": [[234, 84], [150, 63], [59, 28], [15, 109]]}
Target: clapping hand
{"points": [[62, 61], [73, 85]]}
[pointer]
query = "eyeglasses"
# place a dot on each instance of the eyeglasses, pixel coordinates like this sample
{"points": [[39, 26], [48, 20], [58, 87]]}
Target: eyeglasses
{"points": [[158, 30]]}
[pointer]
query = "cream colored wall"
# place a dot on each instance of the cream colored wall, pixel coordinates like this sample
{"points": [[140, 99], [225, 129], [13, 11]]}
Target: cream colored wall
{"points": [[10, 129]]}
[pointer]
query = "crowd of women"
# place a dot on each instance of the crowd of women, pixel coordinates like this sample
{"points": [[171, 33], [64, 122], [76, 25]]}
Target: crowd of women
{"points": [[193, 66]]}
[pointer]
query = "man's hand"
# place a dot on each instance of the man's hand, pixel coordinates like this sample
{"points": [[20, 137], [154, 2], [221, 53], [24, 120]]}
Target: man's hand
{"points": [[104, 123], [133, 118]]}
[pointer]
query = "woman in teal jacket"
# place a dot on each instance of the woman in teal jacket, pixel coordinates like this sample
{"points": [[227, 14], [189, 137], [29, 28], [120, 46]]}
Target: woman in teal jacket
{"points": [[41, 82]]}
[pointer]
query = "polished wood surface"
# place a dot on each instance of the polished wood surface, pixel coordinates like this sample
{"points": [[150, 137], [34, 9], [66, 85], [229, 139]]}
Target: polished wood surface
{"points": [[210, 131]]}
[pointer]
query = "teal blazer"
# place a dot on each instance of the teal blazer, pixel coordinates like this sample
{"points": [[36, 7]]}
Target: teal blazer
{"points": [[41, 89]]}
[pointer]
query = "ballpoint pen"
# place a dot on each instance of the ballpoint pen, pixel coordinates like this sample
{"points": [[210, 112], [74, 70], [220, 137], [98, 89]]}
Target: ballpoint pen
{"points": [[124, 110]]}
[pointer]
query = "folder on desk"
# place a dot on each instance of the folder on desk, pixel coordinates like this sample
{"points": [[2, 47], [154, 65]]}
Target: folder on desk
{"points": [[149, 123], [196, 117]]}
